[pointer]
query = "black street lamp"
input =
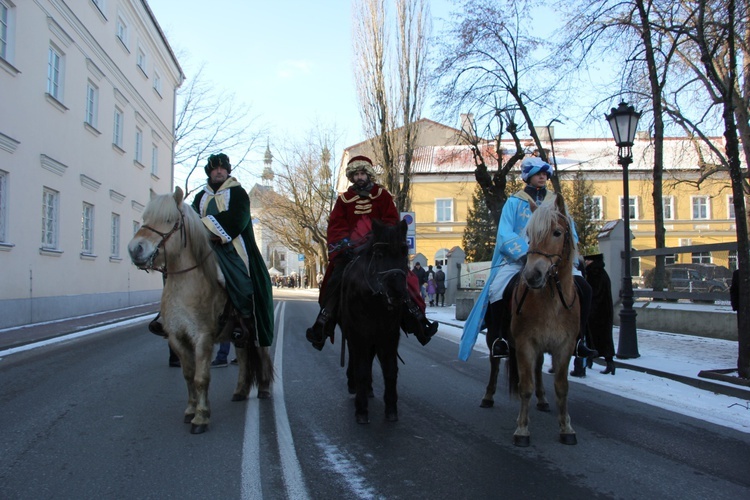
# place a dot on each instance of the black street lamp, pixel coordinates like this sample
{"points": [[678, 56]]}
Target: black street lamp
{"points": [[623, 120]]}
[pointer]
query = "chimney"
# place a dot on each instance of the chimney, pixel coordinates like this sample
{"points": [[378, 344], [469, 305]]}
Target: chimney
{"points": [[467, 124]]}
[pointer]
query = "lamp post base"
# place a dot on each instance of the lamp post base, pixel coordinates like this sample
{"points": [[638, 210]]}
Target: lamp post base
{"points": [[627, 345]]}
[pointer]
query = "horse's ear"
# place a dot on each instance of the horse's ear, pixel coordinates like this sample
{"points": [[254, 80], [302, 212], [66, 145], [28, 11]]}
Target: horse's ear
{"points": [[178, 195], [403, 228]]}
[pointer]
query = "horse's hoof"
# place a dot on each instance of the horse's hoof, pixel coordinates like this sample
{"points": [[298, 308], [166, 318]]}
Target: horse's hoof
{"points": [[363, 418], [568, 438], [189, 418], [522, 441], [264, 394], [487, 403], [391, 416], [543, 407], [238, 397], [198, 428]]}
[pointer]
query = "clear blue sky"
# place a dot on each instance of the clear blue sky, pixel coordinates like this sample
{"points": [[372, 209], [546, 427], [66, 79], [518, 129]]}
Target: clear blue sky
{"points": [[291, 60]]}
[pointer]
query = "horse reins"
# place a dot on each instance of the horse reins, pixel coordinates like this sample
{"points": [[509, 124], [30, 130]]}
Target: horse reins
{"points": [[180, 224], [552, 273]]}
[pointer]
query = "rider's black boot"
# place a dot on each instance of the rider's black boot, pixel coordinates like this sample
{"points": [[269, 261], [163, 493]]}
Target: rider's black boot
{"points": [[500, 348], [244, 331], [583, 351], [317, 334], [579, 369], [413, 321]]}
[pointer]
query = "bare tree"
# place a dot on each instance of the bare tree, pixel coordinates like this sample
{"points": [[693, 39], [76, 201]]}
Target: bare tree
{"points": [[713, 28], [391, 83], [296, 210], [210, 121], [490, 67]]}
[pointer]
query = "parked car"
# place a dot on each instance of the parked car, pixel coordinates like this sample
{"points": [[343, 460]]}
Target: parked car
{"points": [[709, 272], [717, 276]]}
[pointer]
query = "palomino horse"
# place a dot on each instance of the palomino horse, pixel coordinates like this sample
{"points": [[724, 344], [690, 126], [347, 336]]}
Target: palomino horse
{"points": [[195, 311], [545, 313], [373, 297]]}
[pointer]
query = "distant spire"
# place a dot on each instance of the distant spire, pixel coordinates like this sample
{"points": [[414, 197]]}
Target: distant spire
{"points": [[267, 175]]}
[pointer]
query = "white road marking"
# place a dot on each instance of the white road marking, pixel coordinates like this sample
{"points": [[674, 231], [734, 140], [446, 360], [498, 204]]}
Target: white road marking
{"points": [[292, 473]]}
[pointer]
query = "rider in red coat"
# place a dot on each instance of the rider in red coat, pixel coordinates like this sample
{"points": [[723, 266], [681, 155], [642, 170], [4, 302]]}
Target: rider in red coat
{"points": [[349, 226]]}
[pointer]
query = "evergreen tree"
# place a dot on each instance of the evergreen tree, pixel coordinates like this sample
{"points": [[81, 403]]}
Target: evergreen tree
{"points": [[481, 230], [578, 192]]}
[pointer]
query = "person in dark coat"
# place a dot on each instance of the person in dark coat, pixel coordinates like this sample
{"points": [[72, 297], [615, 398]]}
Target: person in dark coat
{"points": [[440, 282], [602, 310]]}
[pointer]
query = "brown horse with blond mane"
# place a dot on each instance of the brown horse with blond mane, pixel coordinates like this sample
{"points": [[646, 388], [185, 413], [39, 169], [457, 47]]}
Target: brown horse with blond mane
{"points": [[545, 313]]}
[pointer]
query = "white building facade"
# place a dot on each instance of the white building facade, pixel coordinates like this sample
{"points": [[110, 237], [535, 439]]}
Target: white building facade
{"points": [[87, 106]]}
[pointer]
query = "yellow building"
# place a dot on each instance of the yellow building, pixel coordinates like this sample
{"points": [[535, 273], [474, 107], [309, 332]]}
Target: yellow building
{"points": [[443, 184]]}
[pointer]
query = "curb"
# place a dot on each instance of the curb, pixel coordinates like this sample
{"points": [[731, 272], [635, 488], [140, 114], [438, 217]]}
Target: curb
{"points": [[738, 391]]}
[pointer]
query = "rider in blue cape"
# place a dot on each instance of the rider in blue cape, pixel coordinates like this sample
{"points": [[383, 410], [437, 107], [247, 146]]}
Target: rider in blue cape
{"points": [[508, 260]]}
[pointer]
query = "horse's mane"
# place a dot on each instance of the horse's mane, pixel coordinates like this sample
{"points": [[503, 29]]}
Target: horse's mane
{"points": [[164, 209], [543, 221]]}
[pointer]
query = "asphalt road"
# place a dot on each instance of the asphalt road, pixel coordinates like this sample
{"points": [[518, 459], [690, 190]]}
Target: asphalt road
{"points": [[101, 417]]}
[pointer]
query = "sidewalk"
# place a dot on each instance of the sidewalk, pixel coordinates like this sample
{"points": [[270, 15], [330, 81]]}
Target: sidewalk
{"points": [[670, 356], [666, 355]]}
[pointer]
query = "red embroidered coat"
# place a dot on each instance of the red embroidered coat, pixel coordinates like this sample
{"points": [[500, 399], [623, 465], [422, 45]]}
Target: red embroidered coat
{"points": [[352, 215]]}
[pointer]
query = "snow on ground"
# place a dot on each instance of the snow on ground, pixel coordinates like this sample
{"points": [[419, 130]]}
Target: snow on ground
{"points": [[666, 352]]}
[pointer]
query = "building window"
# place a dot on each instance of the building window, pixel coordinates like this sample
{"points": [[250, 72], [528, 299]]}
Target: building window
{"points": [[632, 206], [122, 31], [670, 259], [444, 210], [99, 5], [593, 207], [668, 205], [50, 211], [87, 229], [138, 145], [3, 206], [114, 245], [140, 59], [730, 207], [92, 103], [154, 160], [700, 208], [6, 30], [136, 226], [157, 82], [54, 73], [118, 126], [701, 258]]}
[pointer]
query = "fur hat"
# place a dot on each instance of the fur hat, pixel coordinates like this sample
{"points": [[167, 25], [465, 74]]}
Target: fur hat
{"points": [[533, 165], [360, 163], [216, 161]]}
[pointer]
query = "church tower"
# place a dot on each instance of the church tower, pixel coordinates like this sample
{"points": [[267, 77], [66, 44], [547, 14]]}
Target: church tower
{"points": [[267, 175]]}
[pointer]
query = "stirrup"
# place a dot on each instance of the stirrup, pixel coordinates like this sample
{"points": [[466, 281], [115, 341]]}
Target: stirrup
{"points": [[500, 348], [583, 351]]}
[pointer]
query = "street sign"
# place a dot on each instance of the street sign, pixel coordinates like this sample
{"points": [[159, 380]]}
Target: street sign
{"points": [[411, 231]]}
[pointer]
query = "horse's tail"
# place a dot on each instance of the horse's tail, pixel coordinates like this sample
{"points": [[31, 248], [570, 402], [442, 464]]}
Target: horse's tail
{"points": [[511, 370], [261, 371]]}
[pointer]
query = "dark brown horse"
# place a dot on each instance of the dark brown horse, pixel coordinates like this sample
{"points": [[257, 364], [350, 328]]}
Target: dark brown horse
{"points": [[545, 314], [373, 297], [173, 240]]}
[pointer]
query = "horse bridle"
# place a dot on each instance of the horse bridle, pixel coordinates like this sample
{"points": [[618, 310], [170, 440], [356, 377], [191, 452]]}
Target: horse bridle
{"points": [[380, 277], [552, 272], [179, 225]]}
